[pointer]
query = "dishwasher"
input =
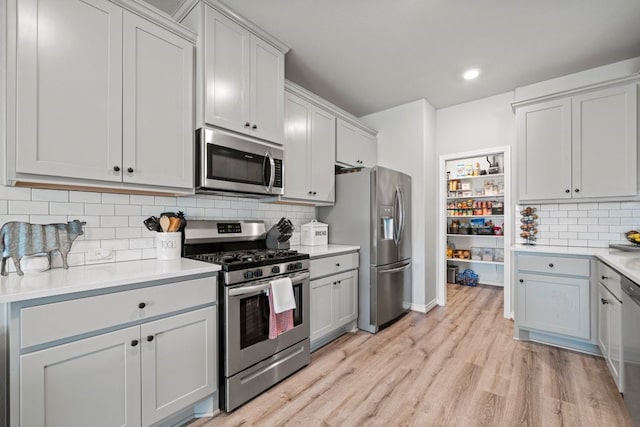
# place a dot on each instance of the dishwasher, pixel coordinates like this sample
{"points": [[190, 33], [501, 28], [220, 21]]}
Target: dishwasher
{"points": [[631, 347]]}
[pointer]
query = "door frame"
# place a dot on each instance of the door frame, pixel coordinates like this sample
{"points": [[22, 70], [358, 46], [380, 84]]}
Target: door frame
{"points": [[441, 241]]}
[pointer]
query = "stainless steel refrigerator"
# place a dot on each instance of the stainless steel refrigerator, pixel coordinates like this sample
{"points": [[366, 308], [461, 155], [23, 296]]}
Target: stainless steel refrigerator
{"points": [[373, 210]]}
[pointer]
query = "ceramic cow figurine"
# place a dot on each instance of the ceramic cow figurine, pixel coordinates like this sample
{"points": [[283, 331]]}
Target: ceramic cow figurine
{"points": [[18, 239]]}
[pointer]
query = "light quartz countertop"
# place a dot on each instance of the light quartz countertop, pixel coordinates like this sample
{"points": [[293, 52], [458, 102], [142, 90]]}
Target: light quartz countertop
{"points": [[625, 262], [325, 250], [60, 281]]}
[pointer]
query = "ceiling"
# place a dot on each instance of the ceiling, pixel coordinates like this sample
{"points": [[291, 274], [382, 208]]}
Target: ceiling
{"points": [[369, 55]]}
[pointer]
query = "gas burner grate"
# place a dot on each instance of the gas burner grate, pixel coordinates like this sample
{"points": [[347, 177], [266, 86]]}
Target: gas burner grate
{"points": [[245, 256]]}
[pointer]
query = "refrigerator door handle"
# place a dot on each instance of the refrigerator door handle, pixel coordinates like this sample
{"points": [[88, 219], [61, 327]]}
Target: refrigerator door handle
{"points": [[400, 211], [396, 214], [393, 270]]}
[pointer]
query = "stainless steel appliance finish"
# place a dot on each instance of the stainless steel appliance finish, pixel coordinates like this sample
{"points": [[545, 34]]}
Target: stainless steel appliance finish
{"points": [[227, 162], [373, 210], [631, 347], [250, 362]]}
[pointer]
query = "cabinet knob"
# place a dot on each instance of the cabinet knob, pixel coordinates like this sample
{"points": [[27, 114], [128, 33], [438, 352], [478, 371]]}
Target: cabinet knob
{"points": [[150, 338], [604, 301], [314, 193], [116, 168], [134, 343], [142, 305], [567, 191], [577, 190], [254, 127], [130, 170], [310, 192], [604, 277], [551, 264], [521, 280], [337, 264], [247, 124]]}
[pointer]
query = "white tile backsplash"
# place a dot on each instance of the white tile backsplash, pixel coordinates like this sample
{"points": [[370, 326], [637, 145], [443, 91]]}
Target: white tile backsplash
{"points": [[114, 221], [584, 224]]}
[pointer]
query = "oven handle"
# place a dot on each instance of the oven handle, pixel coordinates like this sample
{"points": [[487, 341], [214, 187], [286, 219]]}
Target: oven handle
{"points": [[243, 290]]}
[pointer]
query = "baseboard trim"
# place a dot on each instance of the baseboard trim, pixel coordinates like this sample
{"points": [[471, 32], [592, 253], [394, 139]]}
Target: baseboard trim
{"points": [[424, 308]]}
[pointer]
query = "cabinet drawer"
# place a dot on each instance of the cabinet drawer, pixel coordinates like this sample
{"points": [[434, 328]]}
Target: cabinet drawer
{"points": [[610, 279], [51, 322], [334, 264], [554, 265]]}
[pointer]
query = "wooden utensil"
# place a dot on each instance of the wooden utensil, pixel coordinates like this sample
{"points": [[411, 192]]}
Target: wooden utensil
{"points": [[164, 223], [174, 224]]}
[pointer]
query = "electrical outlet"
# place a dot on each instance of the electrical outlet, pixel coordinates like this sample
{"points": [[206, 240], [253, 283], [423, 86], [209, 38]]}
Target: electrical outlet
{"points": [[100, 254]]}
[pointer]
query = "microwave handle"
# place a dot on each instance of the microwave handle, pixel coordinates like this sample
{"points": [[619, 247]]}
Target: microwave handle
{"points": [[272, 170]]}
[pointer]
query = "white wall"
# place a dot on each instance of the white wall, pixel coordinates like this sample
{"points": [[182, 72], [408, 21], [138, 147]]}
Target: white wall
{"points": [[484, 123], [406, 142]]}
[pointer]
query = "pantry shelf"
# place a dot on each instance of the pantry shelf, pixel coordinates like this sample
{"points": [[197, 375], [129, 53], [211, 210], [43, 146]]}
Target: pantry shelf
{"points": [[495, 236], [496, 196], [475, 261], [493, 175], [472, 216]]}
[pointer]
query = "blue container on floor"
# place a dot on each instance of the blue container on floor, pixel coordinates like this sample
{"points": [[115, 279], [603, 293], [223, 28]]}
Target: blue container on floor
{"points": [[468, 278]]}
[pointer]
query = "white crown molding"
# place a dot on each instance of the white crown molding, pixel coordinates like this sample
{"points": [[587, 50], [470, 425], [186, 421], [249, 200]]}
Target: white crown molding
{"points": [[187, 5]]}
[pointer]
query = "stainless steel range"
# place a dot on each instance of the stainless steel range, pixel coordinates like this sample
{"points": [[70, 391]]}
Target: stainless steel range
{"points": [[250, 362]]}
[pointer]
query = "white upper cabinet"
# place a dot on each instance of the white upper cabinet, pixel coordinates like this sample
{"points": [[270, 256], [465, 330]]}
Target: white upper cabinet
{"points": [[158, 106], [605, 142], [103, 98], [69, 89], [354, 146], [580, 147], [240, 77], [309, 151]]}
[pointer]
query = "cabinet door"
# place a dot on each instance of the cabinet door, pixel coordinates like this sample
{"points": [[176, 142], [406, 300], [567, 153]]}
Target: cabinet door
{"points": [[554, 304], [346, 298], [347, 143], [91, 382], [544, 150], [322, 310], [267, 86], [615, 341], [69, 89], [158, 105], [179, 362], [322, 160], [296, 152], [605, 142], [227, 73], [368, 149], [603, 320]]}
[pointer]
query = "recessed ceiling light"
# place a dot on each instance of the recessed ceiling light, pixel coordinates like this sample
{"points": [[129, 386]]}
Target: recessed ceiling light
{"points": [[471, 74]]}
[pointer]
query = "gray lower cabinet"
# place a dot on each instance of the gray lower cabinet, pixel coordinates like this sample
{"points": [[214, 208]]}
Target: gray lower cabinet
{"points": [[132, 372], [553, 298], [334, 297]]}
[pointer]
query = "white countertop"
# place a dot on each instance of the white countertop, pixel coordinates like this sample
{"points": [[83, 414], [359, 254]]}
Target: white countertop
{"points": [[626, 262], [60, 281], [326, 250]]}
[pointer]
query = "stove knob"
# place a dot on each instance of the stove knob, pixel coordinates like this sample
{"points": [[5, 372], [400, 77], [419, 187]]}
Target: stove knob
{"points": [[248, 274], [290, 267], [275, 270], [258, 273], [298, 265]]}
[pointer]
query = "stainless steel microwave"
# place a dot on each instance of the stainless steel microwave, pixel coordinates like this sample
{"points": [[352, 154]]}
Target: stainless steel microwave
{"points": [[228, 162]]}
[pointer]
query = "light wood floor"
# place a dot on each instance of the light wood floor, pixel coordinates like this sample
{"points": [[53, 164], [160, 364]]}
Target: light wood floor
{"points": [[455, 366]]}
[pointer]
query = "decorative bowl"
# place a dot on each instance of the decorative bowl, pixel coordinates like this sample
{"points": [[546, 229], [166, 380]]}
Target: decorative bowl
{"points": [[633, 236]]}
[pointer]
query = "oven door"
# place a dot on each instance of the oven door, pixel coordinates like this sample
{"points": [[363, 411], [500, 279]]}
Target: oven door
{"points": [[236, 163], [247, 323]]}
